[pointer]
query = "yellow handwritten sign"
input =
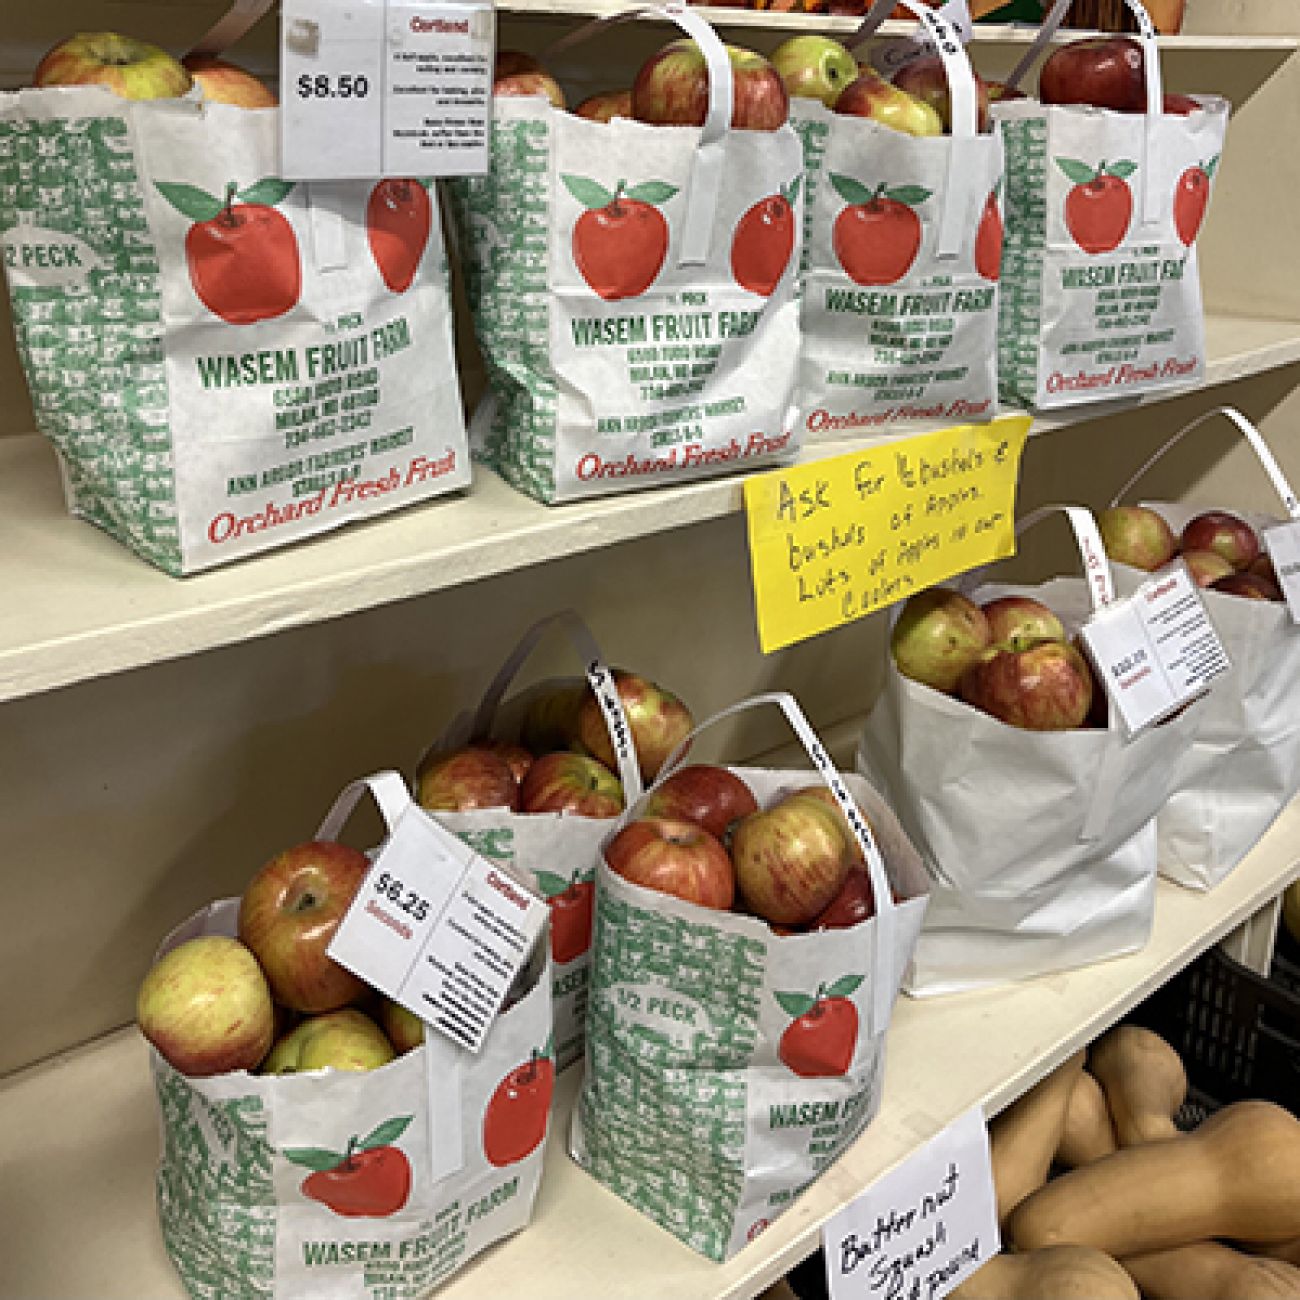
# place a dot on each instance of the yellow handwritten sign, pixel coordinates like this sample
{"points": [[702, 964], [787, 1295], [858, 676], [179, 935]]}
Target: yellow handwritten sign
{"points": [[837, 539]]}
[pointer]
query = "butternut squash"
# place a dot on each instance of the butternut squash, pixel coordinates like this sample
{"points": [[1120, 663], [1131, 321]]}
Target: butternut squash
{"points": [[1089, 1132], [1024, 1137], [1236, 1176], [1053, 1273], [1144, 1082], [1209, 1270]]}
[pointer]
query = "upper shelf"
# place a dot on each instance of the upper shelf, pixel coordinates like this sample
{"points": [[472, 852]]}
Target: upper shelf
{"points": [[79, 606]]}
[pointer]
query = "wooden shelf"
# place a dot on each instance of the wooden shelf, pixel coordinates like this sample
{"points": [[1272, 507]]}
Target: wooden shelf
{"points": [[82, 1140]]}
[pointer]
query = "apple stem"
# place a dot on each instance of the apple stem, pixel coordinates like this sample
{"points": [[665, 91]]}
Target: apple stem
{"points": [[618, 194], [227, 213], [348, 1162]]}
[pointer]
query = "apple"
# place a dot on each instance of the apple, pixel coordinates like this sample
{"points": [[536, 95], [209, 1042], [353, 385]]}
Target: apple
{"points": [[1099, 205], [1179, 105], [517, 756], [1000, 93], [473, 776], [371, 1179], [346, 1039], [517, 73], [403, 1028], [571, 902], [926, 79], [514, 1121], [855, 902], [225, 83], [1224, 533], [1137, 536], [870, 95], [551, 719], [1016, 621], [1206, 567], [1253, 586], [814, 67], [674, 857], [1044, 687], [206, 1007], [821, 792], [605, 106], [710, 796], [288, 914], [877, 234], [510, 63], [939, 634], [791, 859], [764, 239], [1262, 564], [989, 238], [573, 783], [399, 220], [128, 67], [1104, 71], [619, 243], [658, 720], [672, 89], [820, 1040]]}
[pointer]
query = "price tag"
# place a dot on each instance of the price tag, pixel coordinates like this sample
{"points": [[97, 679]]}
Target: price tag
{"points": [[439, 929], [1283, 545], [1156, 650], [374, 88], [922, 1229]]}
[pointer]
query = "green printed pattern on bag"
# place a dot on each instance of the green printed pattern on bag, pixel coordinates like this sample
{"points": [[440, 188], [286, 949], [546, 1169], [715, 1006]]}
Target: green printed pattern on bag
{"points": [[1024, 242], [87, 317], [216, 1200], [504, 219], [673, 1023], [814, 137]]}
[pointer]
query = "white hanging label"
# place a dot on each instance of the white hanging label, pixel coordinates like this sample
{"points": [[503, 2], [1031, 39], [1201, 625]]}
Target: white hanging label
{"points": [[889, 54], [1155, 651], [439, 929], [372, 88], [1283, 545]]}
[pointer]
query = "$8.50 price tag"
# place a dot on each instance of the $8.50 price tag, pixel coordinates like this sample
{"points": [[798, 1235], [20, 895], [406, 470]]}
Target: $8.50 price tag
{"points": [[439, 929], [1156, 650], [1283, 544]]}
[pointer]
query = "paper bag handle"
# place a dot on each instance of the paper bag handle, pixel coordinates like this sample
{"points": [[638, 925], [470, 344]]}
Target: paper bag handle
{"points": [[390, 795], [1252, 435], [882, 995]]}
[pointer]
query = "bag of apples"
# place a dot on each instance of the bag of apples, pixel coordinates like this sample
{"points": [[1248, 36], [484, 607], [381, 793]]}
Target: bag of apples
{"points": [[902, 242], [224, 361], [1107, 185], [750, 937], [633, 280], [1244, 765], [535, 782], [994, 742], [319, 1140]]}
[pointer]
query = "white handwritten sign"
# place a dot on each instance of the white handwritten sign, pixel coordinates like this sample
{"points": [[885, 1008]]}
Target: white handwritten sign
{"points": [[922, 1229]]}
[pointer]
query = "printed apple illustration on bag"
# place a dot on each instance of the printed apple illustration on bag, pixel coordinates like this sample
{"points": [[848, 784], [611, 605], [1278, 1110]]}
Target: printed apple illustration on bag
{"points": [[1100, 206], [399, 217], [764, 240], [371, 1179], [988, 239], [571, 903], [243, 256], [1191, 195], [514, 1122], [877, 236], [621, 240], [819, 1042]]}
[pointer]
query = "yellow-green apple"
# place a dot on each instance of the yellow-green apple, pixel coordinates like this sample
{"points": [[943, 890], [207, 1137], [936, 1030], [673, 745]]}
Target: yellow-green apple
{"points": [[870, 95], [403, 1028], [822, 793], [473, 776], [225, 83], [1137, 536], [674, 857], [814, 67], [925, 79], [672, 89], [1206, 567], [938, 635], [1104, 71], [551, 718], [131, 68], [708, 795], [346, 1039], [1016, 621], [573, 783], [1224, 533], [658, 720], [1044, 687], [206, 1007], [1253, 586], [517, 73], [289, 913], [605, 106], [791, 859]]}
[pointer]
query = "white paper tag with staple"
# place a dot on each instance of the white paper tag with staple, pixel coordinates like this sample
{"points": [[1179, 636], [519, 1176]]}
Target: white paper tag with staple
{"points": [[1283, 545]]}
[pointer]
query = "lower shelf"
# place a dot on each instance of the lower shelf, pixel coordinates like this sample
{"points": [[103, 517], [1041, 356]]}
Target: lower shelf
{"points": [[81, 1133]]}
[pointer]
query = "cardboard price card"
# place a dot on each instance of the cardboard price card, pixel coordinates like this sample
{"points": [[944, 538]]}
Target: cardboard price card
{"points": [[837, 539]]}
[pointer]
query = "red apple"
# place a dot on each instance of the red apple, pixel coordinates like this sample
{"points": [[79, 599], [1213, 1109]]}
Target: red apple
{"points": [[659, 722], [926, 79], [1262, 564], [605, 106], [619, 243], [1253, 586], [130, 68], [999, 92], [517, 756], [939, 634], [573, 783], [224, 83], [467, 778], [877, 234], [510, 63], [514, 1121], [820, 1040], [1137, 536], [821, 792], [1045, 687], [870, 95], [288, 915], [710, 796], [1179, 105], [672, 89], [855, 902], [517, 73], [674, 857], [1105, 71], [1016, 621], [1207, 567], [791, 859], [1224, 533]]}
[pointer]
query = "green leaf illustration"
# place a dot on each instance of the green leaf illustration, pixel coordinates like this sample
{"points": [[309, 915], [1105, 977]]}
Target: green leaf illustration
{"points": [[654, 192], [843, 986], [790, 193], [912, 195], [796, 1004], [548, 1048], [587, 192], [317, 1158], [551, 883], [1079, 172], [389, 1131], [1212, 166], [851, 191], [270, 190], [189, 200], [1123, 169]]}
